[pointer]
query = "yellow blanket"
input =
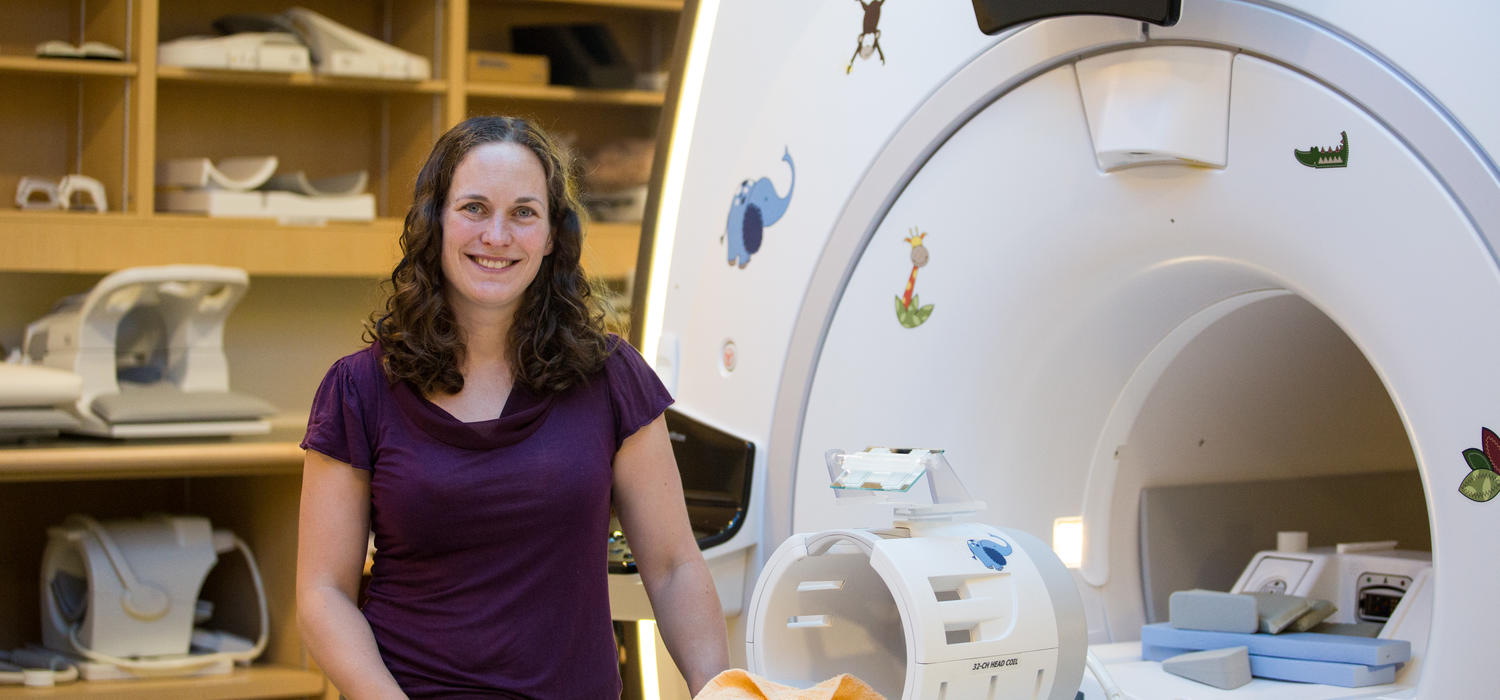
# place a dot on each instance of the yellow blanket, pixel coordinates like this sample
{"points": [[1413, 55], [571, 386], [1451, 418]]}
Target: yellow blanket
{"points": [[736, 684]]}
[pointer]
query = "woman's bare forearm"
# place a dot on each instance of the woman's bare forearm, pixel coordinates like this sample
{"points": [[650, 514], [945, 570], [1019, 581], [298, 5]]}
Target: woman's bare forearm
{"points": [[692, 621], [339, 638]]}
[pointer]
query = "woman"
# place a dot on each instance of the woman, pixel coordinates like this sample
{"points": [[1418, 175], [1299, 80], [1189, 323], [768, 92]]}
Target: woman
{"points": [[483, 436]]}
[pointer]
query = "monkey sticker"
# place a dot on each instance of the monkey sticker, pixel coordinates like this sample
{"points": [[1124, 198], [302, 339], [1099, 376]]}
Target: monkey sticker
{"points": [[909, 310], [752, 209], [871, 30]]}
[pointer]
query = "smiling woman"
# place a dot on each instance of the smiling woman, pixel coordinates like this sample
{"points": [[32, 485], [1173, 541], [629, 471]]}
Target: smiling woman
{"points": [[495, 233], [484, 436], [479, 174]]}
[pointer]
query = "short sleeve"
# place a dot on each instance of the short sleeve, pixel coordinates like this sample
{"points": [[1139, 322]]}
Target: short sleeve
{"points": [[336, 426], [637, 395]]}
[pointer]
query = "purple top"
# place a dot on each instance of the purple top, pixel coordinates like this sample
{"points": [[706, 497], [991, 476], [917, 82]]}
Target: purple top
{"points": [[490, 572]]}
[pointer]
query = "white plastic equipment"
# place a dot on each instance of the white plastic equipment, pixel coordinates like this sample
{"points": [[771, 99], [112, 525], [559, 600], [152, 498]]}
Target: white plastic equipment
{"points": [[1370, 583], [125, 593], [930, 607], [270, 52], [238, 174], [340, 51], [1065, 286], [148, 346], [33, 401]]}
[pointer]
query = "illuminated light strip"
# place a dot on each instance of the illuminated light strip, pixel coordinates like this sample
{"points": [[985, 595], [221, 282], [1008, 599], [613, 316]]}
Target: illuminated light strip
{"points": [[672, 182], [1067, 540], [646, 642]]}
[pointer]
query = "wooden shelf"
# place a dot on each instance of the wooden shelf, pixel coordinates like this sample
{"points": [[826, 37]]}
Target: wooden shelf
{"points": [[253, 682], [80, 242], [298, 80], [658, 5], [564, 93], [67, 66], [77, 459], [610, 248], [100, 243]]}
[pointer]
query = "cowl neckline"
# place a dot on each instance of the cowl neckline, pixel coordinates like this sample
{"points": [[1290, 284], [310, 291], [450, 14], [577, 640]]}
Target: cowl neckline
{"points": [[523, 414]]}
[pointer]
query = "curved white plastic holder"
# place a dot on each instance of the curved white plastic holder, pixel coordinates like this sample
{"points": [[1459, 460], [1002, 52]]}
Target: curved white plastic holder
{"points": [[239, 174], [341, 51], [61, 194], [30, 187], [93, 191], [345, 185]]}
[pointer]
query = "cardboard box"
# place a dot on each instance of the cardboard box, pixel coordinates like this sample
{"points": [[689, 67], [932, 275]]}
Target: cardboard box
{"points": [[497, 67]]}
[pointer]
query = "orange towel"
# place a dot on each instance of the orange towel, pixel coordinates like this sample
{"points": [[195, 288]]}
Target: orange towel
{"points": [[737, 684]]}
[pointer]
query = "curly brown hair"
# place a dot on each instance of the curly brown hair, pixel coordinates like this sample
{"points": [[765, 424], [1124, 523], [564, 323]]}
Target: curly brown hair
{"points": [[557, 339]]}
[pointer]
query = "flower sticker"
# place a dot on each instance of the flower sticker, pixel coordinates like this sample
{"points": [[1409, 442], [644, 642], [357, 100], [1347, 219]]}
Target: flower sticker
{"points": [[1483, 482]]}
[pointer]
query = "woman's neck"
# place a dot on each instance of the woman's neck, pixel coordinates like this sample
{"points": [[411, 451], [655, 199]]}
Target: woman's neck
{"points": [[485, 335]]}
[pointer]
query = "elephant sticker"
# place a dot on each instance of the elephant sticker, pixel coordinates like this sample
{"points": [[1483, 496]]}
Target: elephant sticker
{"points": [[753, 208], [991, 552]]}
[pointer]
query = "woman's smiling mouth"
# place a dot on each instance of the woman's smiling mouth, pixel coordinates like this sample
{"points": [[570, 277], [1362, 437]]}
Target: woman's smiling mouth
{"points": [[492, 263]]}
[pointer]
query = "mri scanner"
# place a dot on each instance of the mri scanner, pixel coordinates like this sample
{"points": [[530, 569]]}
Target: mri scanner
{"points": [[1092, 256]]}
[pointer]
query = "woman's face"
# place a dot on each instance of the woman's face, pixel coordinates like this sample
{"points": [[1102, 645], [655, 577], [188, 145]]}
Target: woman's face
{"points": [[495, 230]]}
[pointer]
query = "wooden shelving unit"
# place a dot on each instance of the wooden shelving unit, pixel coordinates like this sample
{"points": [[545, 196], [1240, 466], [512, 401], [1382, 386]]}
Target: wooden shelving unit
{"points": [[300, 80], [254, 682], [115, 120], [657, 5], [66, 66], [69, 242], [561, 93], [276, 453]]}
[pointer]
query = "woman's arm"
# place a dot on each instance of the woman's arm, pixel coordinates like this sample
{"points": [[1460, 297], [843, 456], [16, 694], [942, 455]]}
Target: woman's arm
{"points": [[332, 538], [648, 498]]}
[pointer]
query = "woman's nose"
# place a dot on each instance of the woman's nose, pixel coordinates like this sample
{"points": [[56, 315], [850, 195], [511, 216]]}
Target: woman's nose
{"points": [[496, 232]]}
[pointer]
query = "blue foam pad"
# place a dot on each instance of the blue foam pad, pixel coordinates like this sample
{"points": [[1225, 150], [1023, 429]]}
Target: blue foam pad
{"points": [[1298, 670], [1311, 646]]}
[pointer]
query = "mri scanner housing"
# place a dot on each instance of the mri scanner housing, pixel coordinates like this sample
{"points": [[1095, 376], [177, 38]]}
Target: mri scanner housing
{"points": [[1102, 199]]}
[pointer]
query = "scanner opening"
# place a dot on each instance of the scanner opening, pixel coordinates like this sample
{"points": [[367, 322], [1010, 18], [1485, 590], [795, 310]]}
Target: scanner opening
{"points": [[1270, 419]]}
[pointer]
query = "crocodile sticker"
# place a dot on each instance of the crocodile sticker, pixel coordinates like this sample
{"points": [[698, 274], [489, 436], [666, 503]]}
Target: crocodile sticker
{"points": [[909, 309], [1330, 157], [1483, 480]]}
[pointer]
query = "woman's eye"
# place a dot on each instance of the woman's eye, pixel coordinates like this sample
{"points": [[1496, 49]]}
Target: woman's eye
{"points": [[474, 208], [525, 212]]}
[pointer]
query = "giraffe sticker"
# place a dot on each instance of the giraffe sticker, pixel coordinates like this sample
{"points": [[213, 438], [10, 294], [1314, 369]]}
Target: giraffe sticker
{"points": [[909, 309]]}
